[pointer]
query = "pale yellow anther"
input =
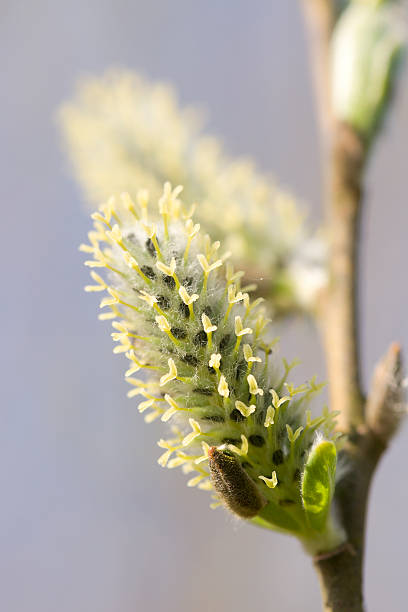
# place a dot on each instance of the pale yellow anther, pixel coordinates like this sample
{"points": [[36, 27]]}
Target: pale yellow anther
{"points": [[187, 214], [270, 415], [253, 386], [171, 402], [139, 385], [92, 263], [119, 336], [105, 316], [151, 230], [128, 203], [251, 305], [163, 459], [145, 405], [176, 462], [176, 192], [215, 361], [143, 200], [214, 247], [104, 216], [136, 364], [193, 482], [174, 407], [191, 228], [196, 431], [168, 270], [94, 238], [208, 326], [233, 296], [86, 248], [172, 373], [249, 356], [230, 275], [98, 279], [146, 297], [109, 301], [210, 249], [204, 456], [206, 485], [114, 293], [206, 266], [115, 235], [123, 347], [244, 445], [275, 399], [261, 323], [293, 435], [239, 328], [130, 261], [108, 209], [163, 323], [270, 482], [101, 283], [99, 259], [223, 389], [120, 327], [187, 299], [164, 199], [243, 409]]}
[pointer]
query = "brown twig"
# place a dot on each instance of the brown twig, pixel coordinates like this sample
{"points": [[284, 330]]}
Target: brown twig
{"points": [[369, 426]]}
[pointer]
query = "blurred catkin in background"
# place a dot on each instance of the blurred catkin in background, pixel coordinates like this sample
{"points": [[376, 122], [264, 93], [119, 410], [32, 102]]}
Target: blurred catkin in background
{"points": [[122, 132]]}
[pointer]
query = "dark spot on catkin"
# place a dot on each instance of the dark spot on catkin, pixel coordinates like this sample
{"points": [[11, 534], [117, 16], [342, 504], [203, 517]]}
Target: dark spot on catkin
{"points": [[209, 312], [277, 457], [234, 441], [224, 342], [203, 391], [200, 339], [236, 416], [184, 309], [163, 302], [169, 281], [188, 282], [241, 369], [179, 333], [148, 271], [190, 359], [286, 502], [256, 440], [150, 247], [214, 418]]}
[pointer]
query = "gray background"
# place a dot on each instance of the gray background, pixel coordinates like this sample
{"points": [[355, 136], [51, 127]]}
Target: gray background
{"points": [[88, 521]]}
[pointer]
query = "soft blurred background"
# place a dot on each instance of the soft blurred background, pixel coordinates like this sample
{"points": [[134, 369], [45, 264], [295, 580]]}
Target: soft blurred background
{"points": [[88, 520]]}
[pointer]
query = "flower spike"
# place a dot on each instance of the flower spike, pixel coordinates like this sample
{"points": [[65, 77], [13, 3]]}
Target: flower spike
{"points": [[238, 425]]}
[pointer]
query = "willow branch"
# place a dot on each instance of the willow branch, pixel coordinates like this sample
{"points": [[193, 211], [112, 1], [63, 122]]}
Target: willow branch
{"points": [[344, 202], [341, 572]]}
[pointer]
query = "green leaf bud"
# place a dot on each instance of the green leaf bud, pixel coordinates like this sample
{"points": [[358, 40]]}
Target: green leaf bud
{"points": [[368, 43]]}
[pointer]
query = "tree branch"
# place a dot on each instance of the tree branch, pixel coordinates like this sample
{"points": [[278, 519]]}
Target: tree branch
{"points": [[368, 427], [343, 209]]}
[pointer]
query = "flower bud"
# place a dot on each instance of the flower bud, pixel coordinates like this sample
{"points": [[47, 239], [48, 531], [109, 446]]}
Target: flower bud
{"points": [[368, 43]]}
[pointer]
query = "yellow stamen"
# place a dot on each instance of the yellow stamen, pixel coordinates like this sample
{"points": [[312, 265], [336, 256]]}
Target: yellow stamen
{"points": [[246, 411], [270, 482]]}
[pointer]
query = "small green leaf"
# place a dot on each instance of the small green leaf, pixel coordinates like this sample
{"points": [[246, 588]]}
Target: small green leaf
{"points": [[318, 483]]}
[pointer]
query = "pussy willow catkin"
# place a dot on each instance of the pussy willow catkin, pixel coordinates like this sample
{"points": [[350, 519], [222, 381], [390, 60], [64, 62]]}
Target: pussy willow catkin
{"points": [[200, 360]]}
